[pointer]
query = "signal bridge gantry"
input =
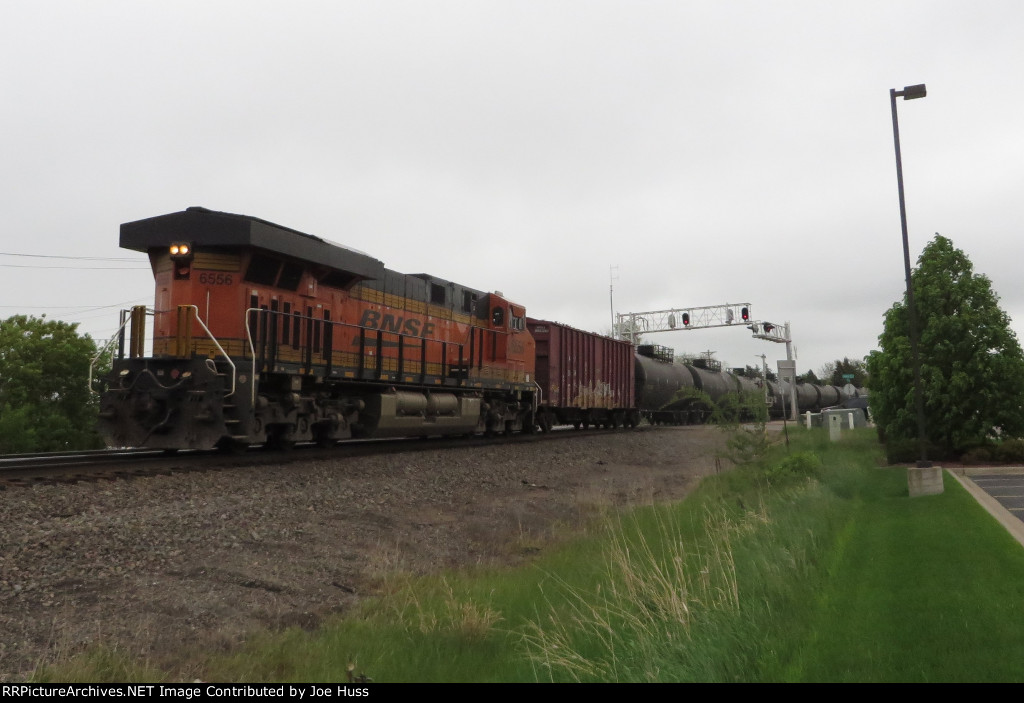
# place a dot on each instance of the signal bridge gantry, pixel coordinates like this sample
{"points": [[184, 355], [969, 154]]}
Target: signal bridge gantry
{"points": [[771, 332], [630, 324]]}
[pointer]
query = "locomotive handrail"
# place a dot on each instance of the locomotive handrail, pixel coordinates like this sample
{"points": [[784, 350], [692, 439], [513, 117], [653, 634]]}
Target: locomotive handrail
{"points": [[234, 370], [252, 349], [257, 341], [103, 350]]}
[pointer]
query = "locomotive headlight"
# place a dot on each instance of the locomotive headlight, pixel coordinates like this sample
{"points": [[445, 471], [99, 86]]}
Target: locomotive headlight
{"points": [[180, 250], [181, 255]]}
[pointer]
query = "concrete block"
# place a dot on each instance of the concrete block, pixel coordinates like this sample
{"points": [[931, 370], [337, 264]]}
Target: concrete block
{"points": [[924, 482]]}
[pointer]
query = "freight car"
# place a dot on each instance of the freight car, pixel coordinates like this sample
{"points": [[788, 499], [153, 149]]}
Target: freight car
{"points": [[263, 334], [584, 379], [673, 393]]}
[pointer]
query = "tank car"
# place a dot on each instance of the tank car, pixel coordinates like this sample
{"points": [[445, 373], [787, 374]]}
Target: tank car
{"points": [[667, 392], [264, 334], [673, 393]]}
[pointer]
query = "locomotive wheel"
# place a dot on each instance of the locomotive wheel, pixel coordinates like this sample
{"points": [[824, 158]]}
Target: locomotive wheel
{"points": [[230, 445], [279, 444], [278, 438]]}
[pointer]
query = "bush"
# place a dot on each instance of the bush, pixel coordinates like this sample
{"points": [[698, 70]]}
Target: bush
{"points": [[978, 455], [1010, 451], [796, 465]]}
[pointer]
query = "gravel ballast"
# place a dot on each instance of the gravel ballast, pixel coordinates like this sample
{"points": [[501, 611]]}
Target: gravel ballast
{"points": [[170, 567]]}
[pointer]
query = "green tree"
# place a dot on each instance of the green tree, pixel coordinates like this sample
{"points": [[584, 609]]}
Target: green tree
{"points": [[833, 372], [44, 402], [808, 377], [972, 367]]}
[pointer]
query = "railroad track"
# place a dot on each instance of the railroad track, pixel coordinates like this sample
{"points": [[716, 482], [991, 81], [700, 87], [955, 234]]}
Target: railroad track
{"points": [[23, 470]]}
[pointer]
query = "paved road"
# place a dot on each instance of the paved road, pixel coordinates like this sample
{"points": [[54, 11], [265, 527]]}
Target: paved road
{"points": [[1007, 489], [1000, 491]]}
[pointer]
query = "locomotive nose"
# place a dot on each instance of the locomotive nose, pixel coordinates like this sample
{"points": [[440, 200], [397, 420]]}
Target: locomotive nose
{"points": [[144, 404]]}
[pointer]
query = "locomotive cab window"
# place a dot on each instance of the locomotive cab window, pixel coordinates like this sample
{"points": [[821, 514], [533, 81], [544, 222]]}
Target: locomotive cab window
{"points": [[498, 316], [342, 280], [262, 270], [437, 296], [291, 275]]}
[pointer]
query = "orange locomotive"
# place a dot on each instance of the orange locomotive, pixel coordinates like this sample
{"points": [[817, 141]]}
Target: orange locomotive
{"points": [[262, 334]]}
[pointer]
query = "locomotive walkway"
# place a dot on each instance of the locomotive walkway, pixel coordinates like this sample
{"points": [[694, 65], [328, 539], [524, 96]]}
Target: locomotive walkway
{"points": [[1000, 490]]}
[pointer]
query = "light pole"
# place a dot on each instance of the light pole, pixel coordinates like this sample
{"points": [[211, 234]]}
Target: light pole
{"points": [[910, 92]]}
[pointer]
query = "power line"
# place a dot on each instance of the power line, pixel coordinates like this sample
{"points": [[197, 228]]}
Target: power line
{"points": [[79, 268], [80, 308], [77, 258]]}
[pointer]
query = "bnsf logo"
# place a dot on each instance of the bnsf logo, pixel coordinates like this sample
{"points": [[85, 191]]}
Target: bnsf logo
{"points": [[386, 322]]}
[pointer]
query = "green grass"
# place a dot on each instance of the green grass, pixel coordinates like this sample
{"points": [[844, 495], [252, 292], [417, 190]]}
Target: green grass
{"points": [[807, 565], [928, 589]]}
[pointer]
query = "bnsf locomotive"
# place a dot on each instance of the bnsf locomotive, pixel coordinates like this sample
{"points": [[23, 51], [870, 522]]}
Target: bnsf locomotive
{"points": [[265, 335], [262, 334]]}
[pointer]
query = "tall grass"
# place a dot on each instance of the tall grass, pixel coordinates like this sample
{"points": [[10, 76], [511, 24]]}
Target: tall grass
{"points": [[708, 590]]}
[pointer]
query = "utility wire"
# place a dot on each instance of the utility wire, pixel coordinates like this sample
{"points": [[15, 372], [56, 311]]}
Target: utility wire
{"points": [[78, 268], [80, 308], [77, 258]]}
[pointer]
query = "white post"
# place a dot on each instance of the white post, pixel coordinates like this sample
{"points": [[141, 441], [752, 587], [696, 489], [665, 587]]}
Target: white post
{"points": [[792, 387], [834, 427]]}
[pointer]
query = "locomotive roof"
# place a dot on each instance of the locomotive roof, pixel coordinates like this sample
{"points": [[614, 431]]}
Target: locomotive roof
{"points": [[209, 228]]}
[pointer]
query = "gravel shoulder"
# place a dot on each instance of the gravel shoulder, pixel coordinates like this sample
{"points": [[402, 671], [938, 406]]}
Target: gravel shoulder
{"points": [[171, 566]]}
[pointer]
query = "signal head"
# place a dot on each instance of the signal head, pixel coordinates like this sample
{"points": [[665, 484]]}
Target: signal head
{"points": [[686, 319], [745, 314]]}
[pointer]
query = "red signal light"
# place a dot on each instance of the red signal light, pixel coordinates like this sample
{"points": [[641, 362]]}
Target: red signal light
{"points": [[686, 319], [745, 314]]}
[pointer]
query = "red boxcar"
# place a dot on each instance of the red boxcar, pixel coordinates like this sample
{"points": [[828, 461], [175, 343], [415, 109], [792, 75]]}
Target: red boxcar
{"points": [[585, 379]]}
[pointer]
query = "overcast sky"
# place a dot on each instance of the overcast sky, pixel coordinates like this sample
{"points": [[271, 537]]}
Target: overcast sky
{"points": [[712, 152]]}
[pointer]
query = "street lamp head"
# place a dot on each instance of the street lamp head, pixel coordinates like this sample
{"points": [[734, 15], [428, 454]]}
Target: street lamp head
{"points": [[912, 92]]}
